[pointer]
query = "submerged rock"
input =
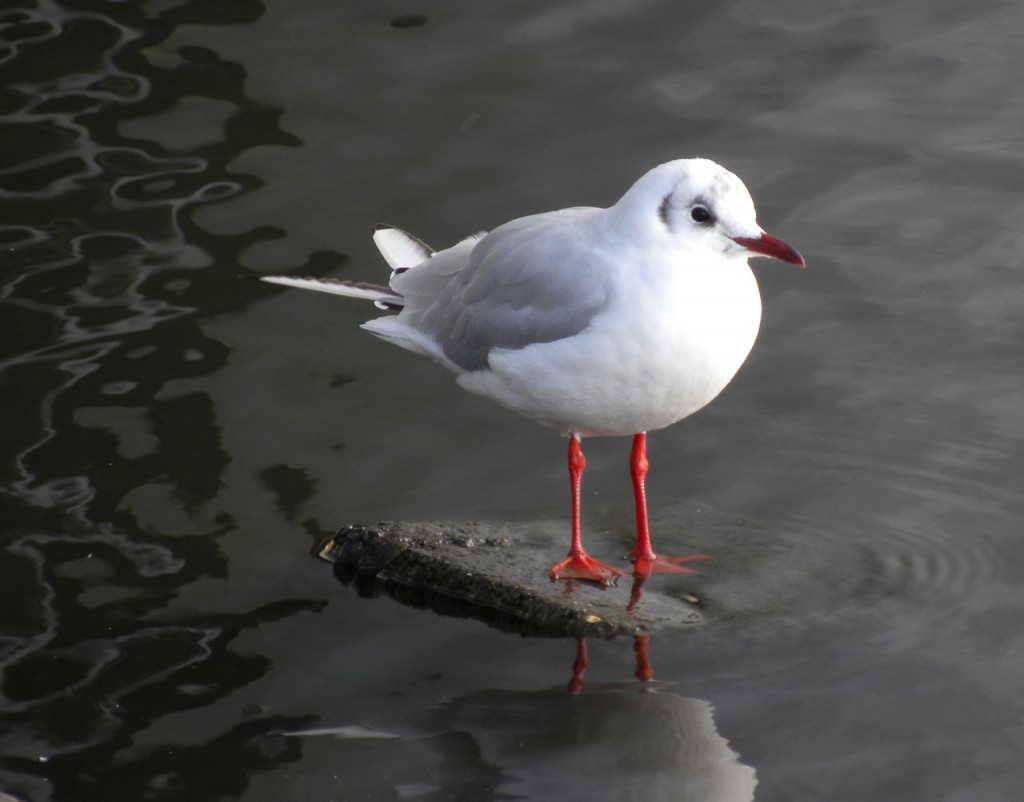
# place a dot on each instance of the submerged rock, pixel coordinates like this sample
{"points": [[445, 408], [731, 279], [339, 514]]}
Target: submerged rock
{"points": [[493, 574]]}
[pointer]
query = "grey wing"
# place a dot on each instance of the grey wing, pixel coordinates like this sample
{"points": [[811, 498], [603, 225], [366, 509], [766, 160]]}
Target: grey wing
{"points": [[531, 281]]}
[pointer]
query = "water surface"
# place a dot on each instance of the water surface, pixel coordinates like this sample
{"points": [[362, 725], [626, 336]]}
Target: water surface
{"points": [[177, 436]]}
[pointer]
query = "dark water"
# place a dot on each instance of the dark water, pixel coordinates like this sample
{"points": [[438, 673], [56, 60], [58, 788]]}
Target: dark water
{"points": [[175, 436]]}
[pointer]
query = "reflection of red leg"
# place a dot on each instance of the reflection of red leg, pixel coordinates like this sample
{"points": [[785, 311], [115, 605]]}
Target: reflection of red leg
{"points": [[578, 564], [579, 666], [644, 672], [636, 591], [645, 561]]}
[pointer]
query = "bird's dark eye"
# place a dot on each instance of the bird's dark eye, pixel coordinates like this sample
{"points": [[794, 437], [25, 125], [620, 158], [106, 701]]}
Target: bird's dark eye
{"points": [[700, 214]]}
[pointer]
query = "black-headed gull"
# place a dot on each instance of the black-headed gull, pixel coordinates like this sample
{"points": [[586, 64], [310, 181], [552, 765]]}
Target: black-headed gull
{"points": [[595, 322]]}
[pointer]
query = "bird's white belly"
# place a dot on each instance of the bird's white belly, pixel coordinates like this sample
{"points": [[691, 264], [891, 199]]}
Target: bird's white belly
{"points": [[630, 372]]}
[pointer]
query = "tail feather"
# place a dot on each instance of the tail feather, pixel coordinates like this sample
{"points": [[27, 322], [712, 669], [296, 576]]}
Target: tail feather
{"points": [[383, 297], [400, 248]]}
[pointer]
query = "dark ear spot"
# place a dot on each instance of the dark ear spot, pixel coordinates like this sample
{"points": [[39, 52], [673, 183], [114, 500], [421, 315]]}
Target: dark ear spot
{"points": [[663, 208]]}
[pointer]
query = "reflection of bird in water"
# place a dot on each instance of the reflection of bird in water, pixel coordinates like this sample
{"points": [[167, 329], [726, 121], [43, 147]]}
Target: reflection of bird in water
{"points": [[596, 322], [612, 741]]}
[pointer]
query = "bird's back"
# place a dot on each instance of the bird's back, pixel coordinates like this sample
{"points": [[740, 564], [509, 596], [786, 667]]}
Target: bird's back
{"points": [[525, 282]]}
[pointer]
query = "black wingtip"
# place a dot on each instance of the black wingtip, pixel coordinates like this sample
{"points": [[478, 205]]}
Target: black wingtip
{"points": [[382, 226]]}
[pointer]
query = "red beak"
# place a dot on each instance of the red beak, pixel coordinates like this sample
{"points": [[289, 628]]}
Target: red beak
{"points": [[767, 245]]}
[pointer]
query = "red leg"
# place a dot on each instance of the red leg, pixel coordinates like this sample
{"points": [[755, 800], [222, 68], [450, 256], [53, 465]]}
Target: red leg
{"points": [[638, 466], [645, 561], [578, 564]]}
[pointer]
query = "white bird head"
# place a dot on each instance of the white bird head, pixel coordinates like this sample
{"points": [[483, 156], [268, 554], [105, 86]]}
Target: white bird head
{"points": [[699, 202]]}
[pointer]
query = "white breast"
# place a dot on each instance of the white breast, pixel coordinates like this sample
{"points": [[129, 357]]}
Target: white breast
{"points": [[669, 342]]}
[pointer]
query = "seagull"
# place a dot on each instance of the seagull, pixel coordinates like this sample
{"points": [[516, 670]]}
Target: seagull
{"points": [[593, 322]]}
